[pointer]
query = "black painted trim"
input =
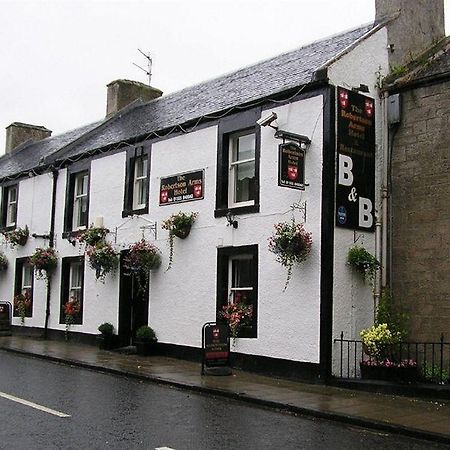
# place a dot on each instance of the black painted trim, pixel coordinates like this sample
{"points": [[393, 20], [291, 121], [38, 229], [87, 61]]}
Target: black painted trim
{"points": [[4, 205], [327, 234], [244, 121], [72, 172], [18, 283], [223, 255], [65, 278], [133, 153]]}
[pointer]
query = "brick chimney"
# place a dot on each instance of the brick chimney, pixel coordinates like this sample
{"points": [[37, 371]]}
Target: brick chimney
{"points": [[123, 92], [17, 133], [418, 25]]}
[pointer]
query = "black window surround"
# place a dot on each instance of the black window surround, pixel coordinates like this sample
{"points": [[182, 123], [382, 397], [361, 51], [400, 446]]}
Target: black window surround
{"points": [[224, 256], [73, 171], [133, 154], [18, 284], [66, 264], [242, 122], [6, 187]]}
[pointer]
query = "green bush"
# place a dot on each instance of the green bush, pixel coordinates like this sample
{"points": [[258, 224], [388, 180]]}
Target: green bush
{"points": [[396, 321], [146, 334], [432, 374], [106, 328]]}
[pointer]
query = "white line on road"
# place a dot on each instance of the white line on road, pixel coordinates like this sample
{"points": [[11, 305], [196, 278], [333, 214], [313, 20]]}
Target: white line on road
{"points": [[33, 405], [164, 448]]}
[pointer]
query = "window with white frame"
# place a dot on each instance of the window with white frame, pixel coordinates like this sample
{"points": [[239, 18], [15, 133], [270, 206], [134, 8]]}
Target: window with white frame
{"points": [[80, 201], [11, 206], [140, 183], [76, 281], [72, 288], [237, 282], [23, 287], [242, 176], [9, 199], [27, 279]]}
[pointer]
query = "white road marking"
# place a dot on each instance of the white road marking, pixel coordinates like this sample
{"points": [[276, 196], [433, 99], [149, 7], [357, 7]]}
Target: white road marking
{"points": [[33, 405], [164, 448]]}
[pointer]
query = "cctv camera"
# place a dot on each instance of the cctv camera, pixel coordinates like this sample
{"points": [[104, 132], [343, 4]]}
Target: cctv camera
{"points": [[266, 121]]}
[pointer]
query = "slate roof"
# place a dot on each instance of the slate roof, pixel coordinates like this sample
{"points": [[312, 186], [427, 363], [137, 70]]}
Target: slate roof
{"points": [[432, 65], [269, 77]]}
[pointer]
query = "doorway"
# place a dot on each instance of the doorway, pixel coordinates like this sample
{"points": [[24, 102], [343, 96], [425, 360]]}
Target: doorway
{"points": [[133, 304]]}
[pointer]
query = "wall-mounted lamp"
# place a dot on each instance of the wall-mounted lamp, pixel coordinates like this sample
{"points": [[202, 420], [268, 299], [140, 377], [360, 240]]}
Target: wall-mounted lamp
{"points": [[361, 88], [303, 141], [231, 220]]}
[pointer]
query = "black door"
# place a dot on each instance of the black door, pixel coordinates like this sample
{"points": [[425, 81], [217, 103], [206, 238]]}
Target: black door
{"points": [[133, 305]]}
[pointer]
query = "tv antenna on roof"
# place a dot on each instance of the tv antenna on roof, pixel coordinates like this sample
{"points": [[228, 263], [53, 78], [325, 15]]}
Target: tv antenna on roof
{"points": [[148, 71]]}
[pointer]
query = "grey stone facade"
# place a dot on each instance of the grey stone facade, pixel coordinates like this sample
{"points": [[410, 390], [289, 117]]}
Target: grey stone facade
{"points": [[421, 210]]}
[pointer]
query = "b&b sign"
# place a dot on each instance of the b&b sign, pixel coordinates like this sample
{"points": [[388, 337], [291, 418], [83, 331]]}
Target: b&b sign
{"points": [[355, 184]]}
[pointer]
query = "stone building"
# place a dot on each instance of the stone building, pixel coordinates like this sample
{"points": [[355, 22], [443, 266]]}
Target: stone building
{"points": [[420, 185]]}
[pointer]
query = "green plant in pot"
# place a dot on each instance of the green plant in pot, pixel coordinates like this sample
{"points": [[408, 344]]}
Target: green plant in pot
{"points": [[291, 243], [103, 259], [19, 236], [107, 340], [145, 340], [178, 225], [93, 236], [364, 262], [3, 262]]}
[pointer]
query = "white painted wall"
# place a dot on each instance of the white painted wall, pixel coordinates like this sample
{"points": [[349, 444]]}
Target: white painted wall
{"points": [[183, 298], [187, 290], [353, 303]]}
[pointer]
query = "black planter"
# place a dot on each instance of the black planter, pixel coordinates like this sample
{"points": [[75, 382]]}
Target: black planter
{"points": [[182, 233], [145, 348], [393, 373], [108, 341]]}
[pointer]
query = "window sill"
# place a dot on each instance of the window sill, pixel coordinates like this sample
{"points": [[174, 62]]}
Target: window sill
{"points": [[134, 212], [5, 229], [71, 234], [237, 210]]}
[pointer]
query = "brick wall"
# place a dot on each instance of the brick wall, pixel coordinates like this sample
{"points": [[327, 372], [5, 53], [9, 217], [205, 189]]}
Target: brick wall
{"points": [[421, 211]]}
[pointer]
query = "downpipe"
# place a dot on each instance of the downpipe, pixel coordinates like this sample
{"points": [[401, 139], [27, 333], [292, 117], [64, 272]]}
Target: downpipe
{"points": [[51, 245]]}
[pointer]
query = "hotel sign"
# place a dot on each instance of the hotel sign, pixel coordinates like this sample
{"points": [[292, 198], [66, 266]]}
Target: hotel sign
{"points": [[184, 187], [355, 182]]}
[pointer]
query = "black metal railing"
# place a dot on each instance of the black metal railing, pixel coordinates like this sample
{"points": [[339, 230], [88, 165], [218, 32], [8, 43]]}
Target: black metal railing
{"points": [[432, 359]]}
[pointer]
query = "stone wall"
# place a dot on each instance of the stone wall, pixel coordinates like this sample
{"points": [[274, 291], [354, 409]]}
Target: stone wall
{"points": [[421, 211]]}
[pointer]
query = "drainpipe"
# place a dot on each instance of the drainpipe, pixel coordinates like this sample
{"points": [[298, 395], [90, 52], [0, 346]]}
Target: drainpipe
{"points": [[384, 193], [377, 287], [51, 245]]}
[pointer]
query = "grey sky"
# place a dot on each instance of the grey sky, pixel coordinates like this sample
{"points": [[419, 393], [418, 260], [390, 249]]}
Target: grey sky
{"points": [[58, 56]]}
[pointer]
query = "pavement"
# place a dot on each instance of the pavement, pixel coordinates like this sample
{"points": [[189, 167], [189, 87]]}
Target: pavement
{"points": [[426, 419]]}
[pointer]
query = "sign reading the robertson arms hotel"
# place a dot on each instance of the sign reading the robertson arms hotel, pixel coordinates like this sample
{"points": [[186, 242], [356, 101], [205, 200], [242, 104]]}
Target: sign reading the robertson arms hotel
{"points": [[355, 183], [184, 187]]}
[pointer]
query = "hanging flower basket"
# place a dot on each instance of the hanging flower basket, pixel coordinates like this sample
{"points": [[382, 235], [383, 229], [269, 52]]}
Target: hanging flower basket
{"points": [[103, 259], [22, 306], [93, 236], [19, 236], [142, 257], [44, 261], [292, 245], [3, 262], [364, 262], [237, 314], [178, 225]]}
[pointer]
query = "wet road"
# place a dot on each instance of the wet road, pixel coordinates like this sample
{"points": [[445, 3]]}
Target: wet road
{"points": [[110, 412]]}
